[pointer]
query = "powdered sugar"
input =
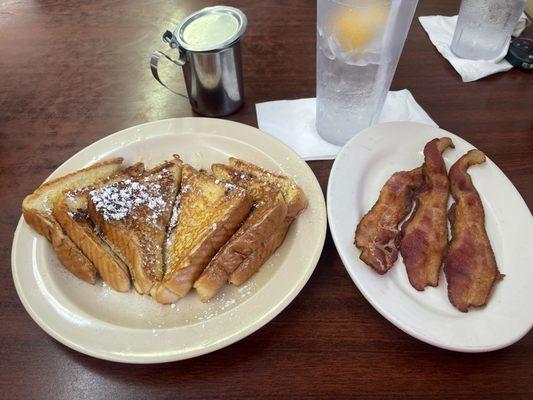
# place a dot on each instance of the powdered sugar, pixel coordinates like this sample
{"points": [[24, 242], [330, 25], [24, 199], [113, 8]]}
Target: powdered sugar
{"points": [[122, 198], [227, 185], [175, 214], [70, 196], [46, 207], [174, 218]]}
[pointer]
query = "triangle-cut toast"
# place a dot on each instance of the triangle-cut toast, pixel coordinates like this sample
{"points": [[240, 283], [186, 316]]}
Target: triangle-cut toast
{"points": [[268, 212], [207, 213], [292, 193], [277, 201], [132, 214], [70, 210], [259, 256], [37, 210]]}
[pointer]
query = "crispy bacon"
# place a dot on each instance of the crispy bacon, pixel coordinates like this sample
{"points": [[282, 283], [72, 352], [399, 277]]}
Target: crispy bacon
{"points": [[424, 236], [470, 266], [377, 234]]}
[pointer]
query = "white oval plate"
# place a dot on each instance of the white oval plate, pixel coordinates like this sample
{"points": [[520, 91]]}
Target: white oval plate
{"points": [[127, 327], [359, 172]]}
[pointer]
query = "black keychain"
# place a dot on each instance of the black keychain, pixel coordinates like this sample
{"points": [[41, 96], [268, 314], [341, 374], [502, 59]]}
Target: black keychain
{"points": [[520, 53]]}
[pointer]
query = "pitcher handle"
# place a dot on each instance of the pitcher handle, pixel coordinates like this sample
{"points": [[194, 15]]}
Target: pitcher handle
{"points": [[154, 60]]}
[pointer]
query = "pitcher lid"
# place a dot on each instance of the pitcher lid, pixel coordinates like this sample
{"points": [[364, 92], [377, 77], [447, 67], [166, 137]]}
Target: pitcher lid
{"points": [[211, 28]]}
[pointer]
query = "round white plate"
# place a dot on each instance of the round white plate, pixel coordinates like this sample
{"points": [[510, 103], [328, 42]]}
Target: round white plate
{"points": [[127, 327], [359, 172]]}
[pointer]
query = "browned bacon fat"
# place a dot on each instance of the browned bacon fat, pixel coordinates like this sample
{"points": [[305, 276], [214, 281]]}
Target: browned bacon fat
{"points": [[377, 234], [425, 233], [470, 266]]}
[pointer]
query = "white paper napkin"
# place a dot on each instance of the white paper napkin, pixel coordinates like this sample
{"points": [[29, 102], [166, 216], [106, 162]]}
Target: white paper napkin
{"points": [[293, 122], [440, 31]]}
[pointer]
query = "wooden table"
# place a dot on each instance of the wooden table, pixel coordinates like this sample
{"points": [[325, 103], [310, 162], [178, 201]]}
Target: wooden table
{"points": [[73, 72]]}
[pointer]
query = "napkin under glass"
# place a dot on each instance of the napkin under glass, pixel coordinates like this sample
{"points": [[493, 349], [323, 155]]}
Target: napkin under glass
{"points": [[440, 30], [293, 122]]}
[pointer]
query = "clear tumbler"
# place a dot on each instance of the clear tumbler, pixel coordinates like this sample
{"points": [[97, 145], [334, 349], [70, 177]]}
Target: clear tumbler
{"points": [[359, 43], [484, 27]]}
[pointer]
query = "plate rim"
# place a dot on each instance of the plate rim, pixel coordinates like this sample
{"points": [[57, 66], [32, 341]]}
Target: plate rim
{"points": [[258, 323], [346, 261]]}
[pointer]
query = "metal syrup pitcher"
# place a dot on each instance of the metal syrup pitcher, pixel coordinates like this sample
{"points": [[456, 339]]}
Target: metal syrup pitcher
{"points": [[208, 45]]}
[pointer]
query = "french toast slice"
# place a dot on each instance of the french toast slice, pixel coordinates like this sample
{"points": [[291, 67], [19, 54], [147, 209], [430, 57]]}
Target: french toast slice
{"points": [[37, 211], [132, 214], [70, 210], [293, 194], [259, 250], [268, 212], [207, 213], [260, 255]]}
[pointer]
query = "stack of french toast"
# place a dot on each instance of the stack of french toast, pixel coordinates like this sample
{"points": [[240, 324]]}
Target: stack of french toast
{"points": [[167, 229]]}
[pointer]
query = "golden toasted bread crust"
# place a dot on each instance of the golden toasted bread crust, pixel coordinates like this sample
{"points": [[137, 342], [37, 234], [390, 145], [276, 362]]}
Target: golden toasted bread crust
{"points": [[181, 280], [111, 269], [44, 197], [240, 259], [225, 208], [70, 210], [255, 260], [125, 244], [37, 212], [68, 254], [242, 244], [39, 221], [136, 233], [293, 194], [270, 210]]}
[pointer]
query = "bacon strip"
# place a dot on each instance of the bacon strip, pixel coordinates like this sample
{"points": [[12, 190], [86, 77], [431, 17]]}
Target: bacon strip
{"points": [[377, 234], [470, 266], [425, 233]]}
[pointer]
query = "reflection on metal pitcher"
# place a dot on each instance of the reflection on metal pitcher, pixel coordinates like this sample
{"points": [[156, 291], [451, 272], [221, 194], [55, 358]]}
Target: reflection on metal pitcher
{"points": [[207, 43]]}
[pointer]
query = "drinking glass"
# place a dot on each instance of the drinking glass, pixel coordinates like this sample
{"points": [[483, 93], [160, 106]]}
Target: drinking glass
{"points": [[359, 43], [484, 27]]}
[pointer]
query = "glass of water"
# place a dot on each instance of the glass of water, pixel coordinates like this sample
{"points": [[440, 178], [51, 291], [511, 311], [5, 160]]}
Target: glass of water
{"points": [[484, 27], [359, 43]]}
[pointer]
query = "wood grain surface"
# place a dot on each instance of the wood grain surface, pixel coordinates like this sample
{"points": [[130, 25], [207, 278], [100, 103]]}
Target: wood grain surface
{"points": [[72, 72]]}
